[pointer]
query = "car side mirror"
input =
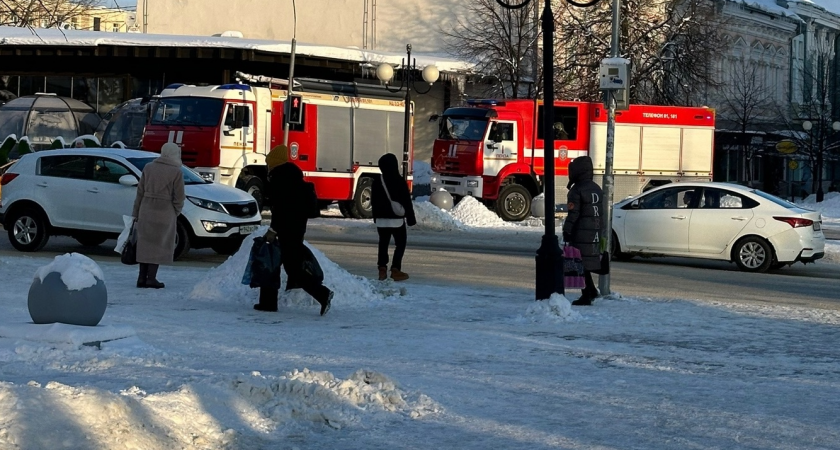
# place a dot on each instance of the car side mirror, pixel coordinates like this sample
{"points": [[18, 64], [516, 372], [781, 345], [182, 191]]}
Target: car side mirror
{"points": [[434, 118], [634, 204], [129, 180]]}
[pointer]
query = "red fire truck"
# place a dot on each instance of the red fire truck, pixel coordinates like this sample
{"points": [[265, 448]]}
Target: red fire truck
{"points": [[493, 149], [226, 131]]}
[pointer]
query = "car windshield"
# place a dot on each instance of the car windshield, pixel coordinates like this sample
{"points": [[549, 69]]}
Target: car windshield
{"points": [[777, 200], [467, 128], [190, 177], [203, 112]]}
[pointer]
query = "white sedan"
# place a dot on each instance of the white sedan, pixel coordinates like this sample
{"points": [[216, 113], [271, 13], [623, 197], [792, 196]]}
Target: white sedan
{"points": [[723, 221]]}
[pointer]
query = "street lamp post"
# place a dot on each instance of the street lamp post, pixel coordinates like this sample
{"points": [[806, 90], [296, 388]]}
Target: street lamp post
{"points": [[430, 74], [549, 258], [288, 104]]}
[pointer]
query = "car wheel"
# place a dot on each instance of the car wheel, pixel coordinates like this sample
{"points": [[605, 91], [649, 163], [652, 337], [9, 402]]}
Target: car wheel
{"points": [[514, 203], [227, 246], [28, 230], [182, 241], [753, 254], [344, 208], [615, 250], [90, 240], [253, 186], [361, 208]]}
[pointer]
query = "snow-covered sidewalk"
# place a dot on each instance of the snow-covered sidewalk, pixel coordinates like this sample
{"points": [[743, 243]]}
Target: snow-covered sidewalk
{"points": [[416, 366]]}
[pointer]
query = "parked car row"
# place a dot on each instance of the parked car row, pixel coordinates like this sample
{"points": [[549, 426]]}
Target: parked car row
{"points": [[85, 192]]}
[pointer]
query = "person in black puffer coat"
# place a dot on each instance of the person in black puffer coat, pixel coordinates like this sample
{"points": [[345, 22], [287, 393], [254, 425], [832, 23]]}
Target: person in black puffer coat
{"points": [[582, 228], [388, 222], [293, 202]]}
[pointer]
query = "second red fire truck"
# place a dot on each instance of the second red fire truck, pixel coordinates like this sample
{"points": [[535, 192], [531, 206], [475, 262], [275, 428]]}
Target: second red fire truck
{"points": [[493, 150]]}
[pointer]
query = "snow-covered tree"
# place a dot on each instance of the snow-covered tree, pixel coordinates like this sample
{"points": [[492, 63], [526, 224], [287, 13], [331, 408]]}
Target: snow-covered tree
{"points": [[745, 103], [503, 44], [671, 45]]}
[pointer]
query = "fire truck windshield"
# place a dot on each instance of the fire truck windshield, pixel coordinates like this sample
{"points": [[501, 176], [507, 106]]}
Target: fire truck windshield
{"points": [[190, 177], [466, 128], [196, 111]]}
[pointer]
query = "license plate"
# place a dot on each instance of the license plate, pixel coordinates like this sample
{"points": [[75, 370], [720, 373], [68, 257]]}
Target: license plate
{"points": [[817, 226], [248, 229]]}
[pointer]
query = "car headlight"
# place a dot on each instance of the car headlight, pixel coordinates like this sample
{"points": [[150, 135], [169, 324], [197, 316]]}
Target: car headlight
{"points": [[207, 204], [215, 227]]}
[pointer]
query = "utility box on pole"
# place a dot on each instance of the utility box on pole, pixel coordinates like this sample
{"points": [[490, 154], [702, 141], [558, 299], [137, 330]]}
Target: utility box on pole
{"points": [[614, 75]]}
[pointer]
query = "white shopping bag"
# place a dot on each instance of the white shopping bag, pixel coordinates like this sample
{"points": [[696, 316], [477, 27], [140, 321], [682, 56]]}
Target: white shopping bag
{"points": [[123, 238]]}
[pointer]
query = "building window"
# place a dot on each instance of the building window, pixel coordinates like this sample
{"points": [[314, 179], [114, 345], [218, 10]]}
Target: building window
{"points": [[116, 28]]}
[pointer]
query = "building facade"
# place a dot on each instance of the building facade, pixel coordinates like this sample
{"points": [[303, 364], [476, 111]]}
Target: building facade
{"points": [[382, 25], [779, 71]]}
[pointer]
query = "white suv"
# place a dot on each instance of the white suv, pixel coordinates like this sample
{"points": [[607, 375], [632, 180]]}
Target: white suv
{"points": [[84, 192]]}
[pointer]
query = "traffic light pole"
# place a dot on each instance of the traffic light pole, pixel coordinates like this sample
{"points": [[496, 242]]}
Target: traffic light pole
{"points": [[287, 107]]}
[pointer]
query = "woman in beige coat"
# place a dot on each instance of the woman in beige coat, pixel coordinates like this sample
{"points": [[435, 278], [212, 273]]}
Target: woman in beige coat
{"points": [[160, 197]]}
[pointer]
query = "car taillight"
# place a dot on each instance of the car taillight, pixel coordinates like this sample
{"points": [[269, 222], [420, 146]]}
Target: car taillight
{"points": [[795, 222], [6, 178]]}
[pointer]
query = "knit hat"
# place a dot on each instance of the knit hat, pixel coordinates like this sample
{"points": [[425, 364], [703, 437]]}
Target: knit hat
{"points": [[278, 155], [171, 150]]}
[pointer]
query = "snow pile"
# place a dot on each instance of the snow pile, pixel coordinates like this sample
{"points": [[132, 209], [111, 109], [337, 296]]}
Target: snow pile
{"points": [[422, 172], [829, 207], [77, 271], [79, 142], [321, 398], [224, 282], [832, 253], [556, 309], [430, 217], [473, 213]]}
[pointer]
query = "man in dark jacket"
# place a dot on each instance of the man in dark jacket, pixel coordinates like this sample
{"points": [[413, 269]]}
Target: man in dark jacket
{"points": [[293, 202], [582, 228]]}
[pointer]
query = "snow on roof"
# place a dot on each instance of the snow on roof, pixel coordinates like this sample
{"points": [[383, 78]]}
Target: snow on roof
{"points": [[79, 38], [77, 271], [832, 6], [768, 5]]}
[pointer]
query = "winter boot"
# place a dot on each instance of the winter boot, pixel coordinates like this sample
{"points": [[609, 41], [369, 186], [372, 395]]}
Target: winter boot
{"points": [[383, 273], [141, 279], [325, 306], [584, 300], [268, 300], [398, 275], [151, 278]]}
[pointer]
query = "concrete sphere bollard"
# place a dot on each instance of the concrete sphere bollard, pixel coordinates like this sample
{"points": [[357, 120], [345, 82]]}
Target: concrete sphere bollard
{"points": [[69, 290], [538, 207], [442, 200]]}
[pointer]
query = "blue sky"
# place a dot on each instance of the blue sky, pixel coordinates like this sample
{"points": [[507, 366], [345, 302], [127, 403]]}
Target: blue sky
{"points": [[121, 3]]}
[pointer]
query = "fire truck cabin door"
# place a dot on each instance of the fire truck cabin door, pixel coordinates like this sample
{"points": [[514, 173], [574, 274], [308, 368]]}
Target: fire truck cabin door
{"points": [[238, 129], [500, 146]]}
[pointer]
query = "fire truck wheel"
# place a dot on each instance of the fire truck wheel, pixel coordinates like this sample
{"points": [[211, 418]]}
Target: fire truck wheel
{"points": [[514, 203], [361, 208], [344, 208], [254, 186]]}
